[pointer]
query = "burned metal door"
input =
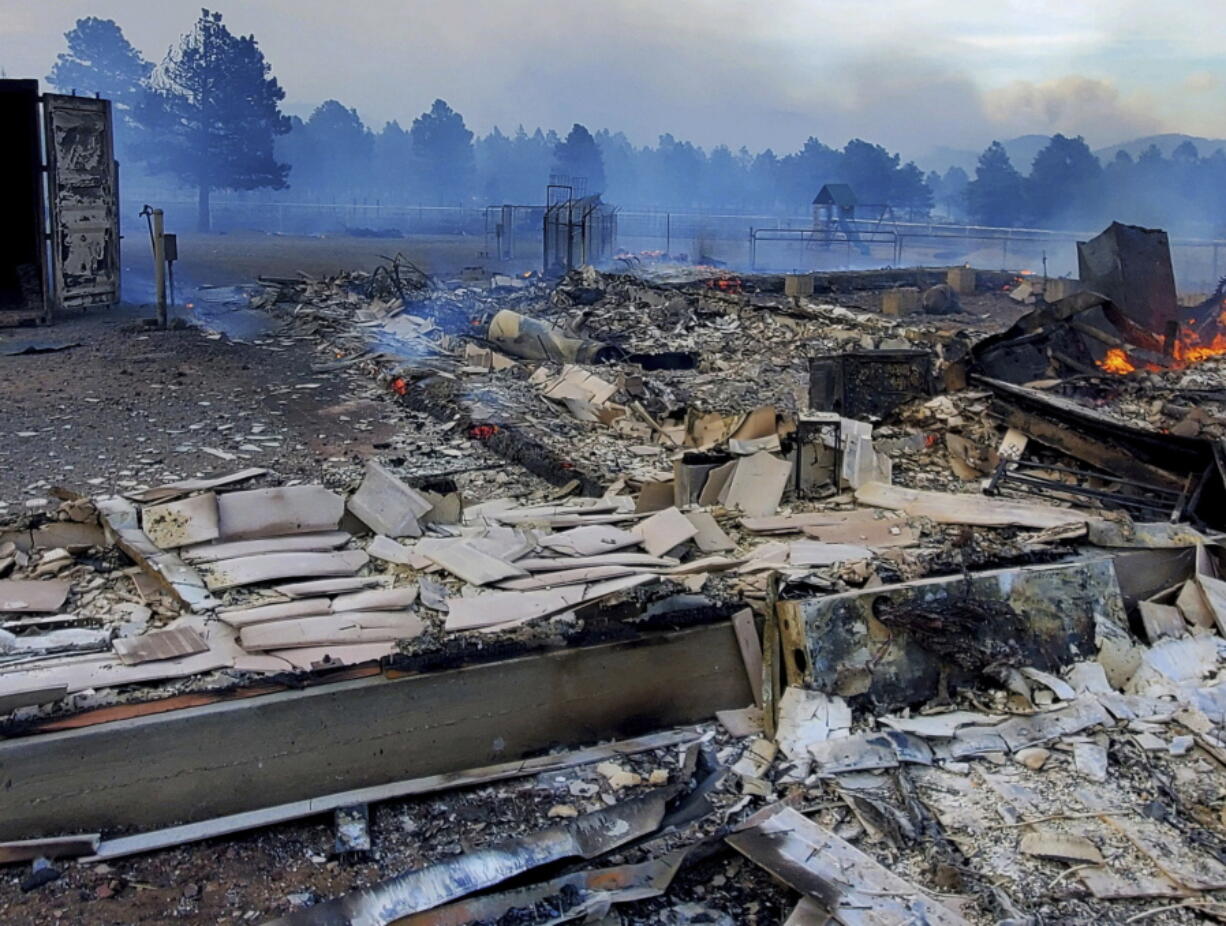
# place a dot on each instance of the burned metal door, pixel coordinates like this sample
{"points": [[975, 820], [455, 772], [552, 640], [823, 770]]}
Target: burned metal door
{"points": [[82, 189]]}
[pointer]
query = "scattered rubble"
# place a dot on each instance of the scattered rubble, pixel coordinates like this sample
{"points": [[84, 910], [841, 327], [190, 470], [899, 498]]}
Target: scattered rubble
{"points": [[925, 695]]}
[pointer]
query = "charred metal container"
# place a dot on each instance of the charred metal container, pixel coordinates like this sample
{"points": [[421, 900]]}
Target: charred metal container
{"points": [[868, 383]]}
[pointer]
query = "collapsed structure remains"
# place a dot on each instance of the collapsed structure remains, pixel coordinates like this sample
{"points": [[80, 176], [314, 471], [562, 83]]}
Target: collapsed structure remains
{"points": [[868, 597]]}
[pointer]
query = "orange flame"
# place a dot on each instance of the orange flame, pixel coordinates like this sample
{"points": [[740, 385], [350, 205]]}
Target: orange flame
{"points": [[1117, 361], [1193, 344]]}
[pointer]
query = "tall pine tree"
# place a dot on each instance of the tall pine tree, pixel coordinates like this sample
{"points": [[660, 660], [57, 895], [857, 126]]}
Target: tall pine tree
{"points": [[214, 107], [443, 155], [994, 197], [101, 60], [579, 156]]}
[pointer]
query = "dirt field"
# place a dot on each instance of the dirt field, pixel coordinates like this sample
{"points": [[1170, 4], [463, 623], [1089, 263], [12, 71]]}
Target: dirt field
{"points": [[241, 257], [127, 404]]}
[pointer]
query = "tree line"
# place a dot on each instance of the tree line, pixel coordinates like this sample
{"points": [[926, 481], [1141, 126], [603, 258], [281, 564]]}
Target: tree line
{"points": [[209, 116]]}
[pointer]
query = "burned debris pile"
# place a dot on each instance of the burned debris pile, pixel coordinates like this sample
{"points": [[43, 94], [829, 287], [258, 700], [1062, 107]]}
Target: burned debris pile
{"points": [[806, 612]]}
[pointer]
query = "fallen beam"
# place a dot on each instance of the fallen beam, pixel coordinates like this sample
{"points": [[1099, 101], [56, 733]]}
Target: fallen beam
{"points": [[236, 756]]}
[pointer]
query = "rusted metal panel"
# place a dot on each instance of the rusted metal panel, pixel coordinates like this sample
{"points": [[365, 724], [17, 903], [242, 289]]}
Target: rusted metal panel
{"points": [[83, 193], [1131, 266], [869, 384], [840, 645]]}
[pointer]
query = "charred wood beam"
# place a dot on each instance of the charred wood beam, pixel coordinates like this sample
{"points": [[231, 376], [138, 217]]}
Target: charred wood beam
{"points": [[516, 442], [1097, 439], [1095, 453], [235, 756]]}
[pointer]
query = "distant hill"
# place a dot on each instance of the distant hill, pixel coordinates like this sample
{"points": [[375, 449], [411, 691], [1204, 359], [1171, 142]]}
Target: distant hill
{"points": [[1166, 144], [1023, 149], [1021, 152]]}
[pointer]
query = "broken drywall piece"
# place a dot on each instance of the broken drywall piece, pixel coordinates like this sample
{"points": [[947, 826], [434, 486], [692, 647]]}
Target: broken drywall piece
{"points": [[161, 644], [1067, 847], [294, 543], [1090, 760], [640, 560], [505, 543], [852, 885], [805, 553], [1193, 605], [951, 508], [710, 537], [808, 717], [741, 722], [875, 533], [574, 382], [301, 607], [272, 512], [249, 570], [33, 595], [175, 489], [663, 531], [1060, 688], [1184, 661], [378, 599], [756, 485], [465, 561], [350, 627], [392, 551], [862, 463], [498, 608], [942, 726], [327, 586], [860, 752], [335, 654], [751, 650], [717, 481], [543, 580], [1019, 732], [388, 506], [179, 524], [1161, 621], [590, 541], [1088, 678]]}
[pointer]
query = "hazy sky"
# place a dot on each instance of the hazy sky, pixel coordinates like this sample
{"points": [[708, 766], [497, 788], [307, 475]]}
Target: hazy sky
{"points": [[910, 74]]}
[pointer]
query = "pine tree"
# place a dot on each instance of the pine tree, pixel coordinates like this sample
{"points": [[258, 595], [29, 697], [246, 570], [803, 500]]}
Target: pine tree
{"points": [[579, 156], [443, 155], [342, 152], [1063, 179], [214, 109], [100, 60], [994, 197]]}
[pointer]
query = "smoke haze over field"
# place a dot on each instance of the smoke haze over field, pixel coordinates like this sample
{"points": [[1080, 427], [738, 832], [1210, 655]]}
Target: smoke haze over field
{"points": [[910, 75]]}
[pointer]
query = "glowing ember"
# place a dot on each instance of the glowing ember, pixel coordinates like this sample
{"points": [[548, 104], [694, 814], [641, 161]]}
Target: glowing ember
{"points": [[482, 431], [725, 284], [1117, 361], [399, 386]]}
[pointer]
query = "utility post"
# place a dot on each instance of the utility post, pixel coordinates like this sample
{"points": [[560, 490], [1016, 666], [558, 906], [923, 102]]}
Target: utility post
{"points": [[159, 264]]}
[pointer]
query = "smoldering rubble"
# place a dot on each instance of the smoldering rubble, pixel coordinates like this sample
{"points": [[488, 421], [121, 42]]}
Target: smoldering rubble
{"points": [[785, 601]]}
